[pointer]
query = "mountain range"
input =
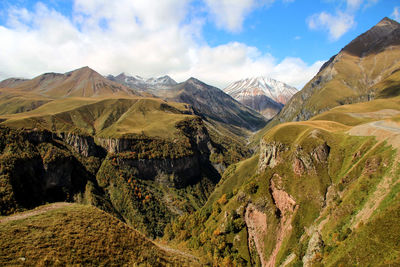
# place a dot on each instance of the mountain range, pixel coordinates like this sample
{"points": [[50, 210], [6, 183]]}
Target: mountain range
{"points": [[137, 82], [83, 82], [161, 173]]}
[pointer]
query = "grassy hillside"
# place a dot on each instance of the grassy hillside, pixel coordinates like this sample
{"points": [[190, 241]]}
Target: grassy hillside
{"points": [[113, 117], [319, 193], [17, 103], [79, 235]]}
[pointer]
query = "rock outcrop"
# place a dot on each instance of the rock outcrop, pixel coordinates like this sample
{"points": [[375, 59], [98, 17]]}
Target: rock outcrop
{"points": [[270, 154], [314, 249], [84, 145]]}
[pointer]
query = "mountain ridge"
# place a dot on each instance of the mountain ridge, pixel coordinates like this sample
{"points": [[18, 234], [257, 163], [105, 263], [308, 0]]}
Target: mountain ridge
{"points": [[82, 82], [213, 103], [137, 82]]}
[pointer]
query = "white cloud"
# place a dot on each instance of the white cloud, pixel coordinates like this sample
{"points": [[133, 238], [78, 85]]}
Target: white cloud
{"points": [[354, 4], [337, 25], [230, 14], [396, 13], [342, 21], [234, 61], [132, 37]]}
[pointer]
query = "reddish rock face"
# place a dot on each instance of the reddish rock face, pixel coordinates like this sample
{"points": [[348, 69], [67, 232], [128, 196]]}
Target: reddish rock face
{"points": [[298, 167], [256, 222], [287, 207]]}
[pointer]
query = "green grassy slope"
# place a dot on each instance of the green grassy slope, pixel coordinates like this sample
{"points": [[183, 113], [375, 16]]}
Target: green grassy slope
{"points": [[79, 235], [344, 187], [113, 117]]}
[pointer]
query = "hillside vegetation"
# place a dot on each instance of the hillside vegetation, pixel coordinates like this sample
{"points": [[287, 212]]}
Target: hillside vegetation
{"points": [[104, 117], [313, 196], [79, 235]]}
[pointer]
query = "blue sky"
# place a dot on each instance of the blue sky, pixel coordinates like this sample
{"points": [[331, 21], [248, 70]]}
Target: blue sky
{"points": [[218, 41], [282, 29]]}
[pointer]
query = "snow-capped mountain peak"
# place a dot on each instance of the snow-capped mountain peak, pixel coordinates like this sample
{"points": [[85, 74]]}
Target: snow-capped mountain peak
{"points": [[263, 94], [139, 82], [278, 91]]}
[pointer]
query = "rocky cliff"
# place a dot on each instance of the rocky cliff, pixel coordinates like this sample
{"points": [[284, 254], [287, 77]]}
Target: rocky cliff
{"points": [[170, 176]]}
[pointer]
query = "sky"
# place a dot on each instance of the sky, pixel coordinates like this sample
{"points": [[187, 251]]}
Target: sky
{"points": [[216, 41]]}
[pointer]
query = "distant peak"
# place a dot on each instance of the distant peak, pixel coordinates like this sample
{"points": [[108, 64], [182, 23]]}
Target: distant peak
{"points": [[387, 21], [384, 34], [165, 77], [121, 75], [167, 80], [193, 80], [85, 69]]}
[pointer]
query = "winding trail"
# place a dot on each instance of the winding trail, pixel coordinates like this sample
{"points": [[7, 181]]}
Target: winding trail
{"points": [[37, 211], [383, 130], [386, 126], [178, 252]]}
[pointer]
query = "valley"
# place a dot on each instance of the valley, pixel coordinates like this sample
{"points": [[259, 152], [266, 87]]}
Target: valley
{"points": [[123, 170]]}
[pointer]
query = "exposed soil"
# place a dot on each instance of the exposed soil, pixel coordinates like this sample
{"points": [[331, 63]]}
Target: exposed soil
{"points": [[382, 130], [179, 252], [256, 222], [380, 114], [287, 207]]}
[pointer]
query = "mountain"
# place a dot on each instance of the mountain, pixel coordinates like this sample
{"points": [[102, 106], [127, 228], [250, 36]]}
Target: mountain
{"points": [[207, 101], [137, 82], [278, 91], [262, 94], [324, 191], [213, 104], [83, 82], [11, 82], [351, 76]]}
